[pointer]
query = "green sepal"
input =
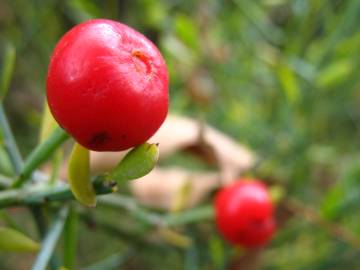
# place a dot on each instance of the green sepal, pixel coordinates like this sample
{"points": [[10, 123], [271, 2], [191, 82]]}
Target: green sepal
{"points": [[137, 163], [79, 176]]}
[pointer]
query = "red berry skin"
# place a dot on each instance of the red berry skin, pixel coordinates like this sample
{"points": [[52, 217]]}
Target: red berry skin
{"points": [[107, 85], [244, 213]]}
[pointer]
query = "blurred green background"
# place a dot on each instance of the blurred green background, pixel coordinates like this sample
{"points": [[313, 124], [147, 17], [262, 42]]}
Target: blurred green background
{"points": [[282, 77]]}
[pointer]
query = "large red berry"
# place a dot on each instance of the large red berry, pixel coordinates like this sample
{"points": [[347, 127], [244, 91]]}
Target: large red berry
{"points": [[244, 213], [107, 85]]}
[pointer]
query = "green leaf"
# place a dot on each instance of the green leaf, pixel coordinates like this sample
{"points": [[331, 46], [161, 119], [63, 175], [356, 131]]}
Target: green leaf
{"points": [[70, 238], [40, 154], [14, 241], [137, 163], [7, 69], [79, 176], [335, 73], [277, 193], [5, 164], [289, 83], [187, 31]]}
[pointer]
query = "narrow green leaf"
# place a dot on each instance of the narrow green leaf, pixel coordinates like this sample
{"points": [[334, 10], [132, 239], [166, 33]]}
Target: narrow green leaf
{"points": [[187, 31], [9, 142], [5, 164], [114, 261], [79, 176], [335, 73], [49, 242], [40, 154], [14, 241], [289, 83], [70, 239], [137, 163], [7, 70]]}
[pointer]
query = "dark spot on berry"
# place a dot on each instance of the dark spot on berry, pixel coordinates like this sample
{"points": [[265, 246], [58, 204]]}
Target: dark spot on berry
{"points": [[257, 222], [99, 139]]}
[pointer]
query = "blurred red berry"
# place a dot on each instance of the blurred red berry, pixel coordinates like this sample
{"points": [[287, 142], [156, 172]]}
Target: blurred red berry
{"points": [[107, 85], [244, 213]]}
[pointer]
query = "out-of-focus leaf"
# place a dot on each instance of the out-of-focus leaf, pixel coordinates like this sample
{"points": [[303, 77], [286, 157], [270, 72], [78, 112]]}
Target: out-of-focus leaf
{"points": [[155, 12], [70, 238], [289, 83], [14, 241], [175, 238], [82, 10], [115, 261], [336, 73], [217, 252], [191, 260], [277, 193], [182, 196], [7, 69], [179, 51], [322, 154], [331, 204], [186, 31], [5, 164], [79, 176], [258, 17], [137, 163]]}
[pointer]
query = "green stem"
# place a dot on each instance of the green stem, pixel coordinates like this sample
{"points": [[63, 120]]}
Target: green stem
{"points": [[41, 225], [50, 241], [56, 165], [17, 163], [189, 216], [40, 154], [10, 144], [181, 218], [36, 196], [5, 182], [114, 261], [129, 204], [70, 238]]}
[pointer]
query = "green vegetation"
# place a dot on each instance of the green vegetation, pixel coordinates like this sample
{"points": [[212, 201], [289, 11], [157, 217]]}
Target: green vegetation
{"points": [[280, 76]]}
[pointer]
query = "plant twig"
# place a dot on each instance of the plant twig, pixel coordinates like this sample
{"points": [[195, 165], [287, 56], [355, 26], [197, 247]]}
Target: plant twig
{"points": [[151, 218], [5, 182], [10, 144], [40, 154], [49, 243], [114, 261], [128, 203], [36, 196], [70, 238], [17, 163], [189, 216]]}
